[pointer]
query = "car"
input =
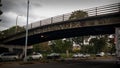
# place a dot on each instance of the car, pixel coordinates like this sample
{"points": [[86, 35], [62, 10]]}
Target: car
{"points": [[113, 54], [101, 54], [86, 55], [34, 56], [108, 54], [9, 56], [53, 56], [78, 55]]}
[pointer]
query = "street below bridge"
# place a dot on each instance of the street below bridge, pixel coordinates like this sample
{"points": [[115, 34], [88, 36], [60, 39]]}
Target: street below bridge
{"points": [[65, 64]]}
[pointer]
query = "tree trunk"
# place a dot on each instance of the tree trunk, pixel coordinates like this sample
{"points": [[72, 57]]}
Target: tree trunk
{"points": [[67, 53]]}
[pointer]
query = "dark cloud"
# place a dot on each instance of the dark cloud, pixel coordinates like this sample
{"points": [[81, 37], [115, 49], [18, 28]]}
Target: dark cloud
{"points": [[16, 6]]}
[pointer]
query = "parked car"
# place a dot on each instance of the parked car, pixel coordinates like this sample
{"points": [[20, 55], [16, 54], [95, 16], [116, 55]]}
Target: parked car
{"points": [[78, 55], [9, 56], [53, 56], [113, 54], [101, 54], [86, 55], [34, 56]]}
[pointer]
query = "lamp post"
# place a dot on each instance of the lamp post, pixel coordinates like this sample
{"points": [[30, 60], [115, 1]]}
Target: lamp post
{"points": [[16, 23], [26, 39]]}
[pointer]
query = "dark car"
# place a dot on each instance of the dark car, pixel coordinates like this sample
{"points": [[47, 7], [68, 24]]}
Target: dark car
{"points": [[53, 56]]}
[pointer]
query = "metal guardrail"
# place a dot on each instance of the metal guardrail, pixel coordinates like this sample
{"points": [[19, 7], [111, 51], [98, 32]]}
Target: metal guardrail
{"points": [[112, 8]]}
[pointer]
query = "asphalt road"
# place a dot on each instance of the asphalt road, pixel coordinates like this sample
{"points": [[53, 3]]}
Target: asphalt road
{"points": [[65, 64]]}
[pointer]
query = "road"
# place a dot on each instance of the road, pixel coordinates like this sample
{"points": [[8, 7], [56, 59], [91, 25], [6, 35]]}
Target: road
{"points": [[65, 64]]}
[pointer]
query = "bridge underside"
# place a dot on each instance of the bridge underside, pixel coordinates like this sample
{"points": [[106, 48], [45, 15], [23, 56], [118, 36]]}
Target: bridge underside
{"points": [[66, 33]]}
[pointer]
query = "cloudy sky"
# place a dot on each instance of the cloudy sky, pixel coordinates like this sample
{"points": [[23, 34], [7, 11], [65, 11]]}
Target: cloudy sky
{"points": [[42, 9]]}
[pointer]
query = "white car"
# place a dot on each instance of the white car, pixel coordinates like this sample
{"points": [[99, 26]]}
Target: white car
{"points": [[9, 56], [81, 55], [78, 55], [100, 54], [86, 55], [34, 56]]}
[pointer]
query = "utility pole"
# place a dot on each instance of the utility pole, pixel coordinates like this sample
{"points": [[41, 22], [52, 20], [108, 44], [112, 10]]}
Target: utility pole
{"points": [[26, 39]]}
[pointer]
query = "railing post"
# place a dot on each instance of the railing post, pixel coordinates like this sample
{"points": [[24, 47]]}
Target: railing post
{"points": [[63, 17], [96, 11], [119, 7], [51, 20], [40, 23], [31, 25]]}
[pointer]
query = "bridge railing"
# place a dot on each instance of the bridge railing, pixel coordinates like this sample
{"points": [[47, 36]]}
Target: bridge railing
{"points": [[112, 8]]}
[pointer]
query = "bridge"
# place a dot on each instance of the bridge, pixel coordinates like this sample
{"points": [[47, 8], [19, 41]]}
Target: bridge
{"points": [[100, 20]]}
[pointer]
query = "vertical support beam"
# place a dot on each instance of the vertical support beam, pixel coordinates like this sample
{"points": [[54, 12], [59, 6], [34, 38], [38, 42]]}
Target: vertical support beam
{"points": [[16, 24], [96, 11], [119, 7], [40, 23], [63, 17], [51, 20], [31, 25]]}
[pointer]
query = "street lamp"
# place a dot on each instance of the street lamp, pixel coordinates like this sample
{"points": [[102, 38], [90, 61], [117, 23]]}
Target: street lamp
{"points": [[26, 39], [16, 23]]}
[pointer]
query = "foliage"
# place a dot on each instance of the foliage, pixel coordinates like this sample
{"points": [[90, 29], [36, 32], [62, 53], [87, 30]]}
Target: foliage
{"points": [[112, 46], [11, 31], [36, 47], [78, 14], [76, 49], [99, 44], [42, 47], [78, 40], [61, 46]]}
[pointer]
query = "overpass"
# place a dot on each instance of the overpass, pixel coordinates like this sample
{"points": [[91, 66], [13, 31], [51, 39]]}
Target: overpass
{"points": [[100, 20]]}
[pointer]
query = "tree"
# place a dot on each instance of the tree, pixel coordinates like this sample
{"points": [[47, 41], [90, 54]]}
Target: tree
{"points": [[11, 31], [112, 48], [67, 46], [42, 47], [99, 43], [62, 46], [57, 46], [36, 47], [92, 43], [78, 40], [78, 14]]}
